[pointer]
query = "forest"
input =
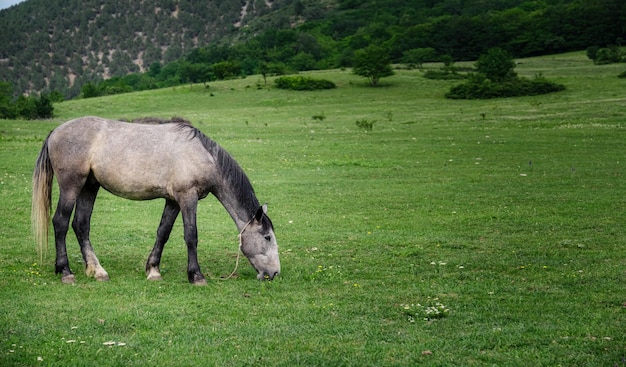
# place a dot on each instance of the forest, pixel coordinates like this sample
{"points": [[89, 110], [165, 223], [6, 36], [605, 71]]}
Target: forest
{"points": [[111, 46]]}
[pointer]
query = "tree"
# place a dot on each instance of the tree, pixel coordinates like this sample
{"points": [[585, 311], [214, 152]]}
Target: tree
{"points": [[373, 63], [417, 56], [226, 69], [43, 107], [497, 65], [7, 109]]}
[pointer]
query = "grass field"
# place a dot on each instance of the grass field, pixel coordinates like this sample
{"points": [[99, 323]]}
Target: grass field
{"points": [[502, 219]]}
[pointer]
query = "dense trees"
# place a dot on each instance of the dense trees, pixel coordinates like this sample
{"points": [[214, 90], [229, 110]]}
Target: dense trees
{"points": [[52, 45], [68, 44]]}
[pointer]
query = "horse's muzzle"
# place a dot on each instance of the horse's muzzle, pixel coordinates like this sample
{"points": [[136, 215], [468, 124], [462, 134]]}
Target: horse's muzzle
{"points": [[267, 276]]}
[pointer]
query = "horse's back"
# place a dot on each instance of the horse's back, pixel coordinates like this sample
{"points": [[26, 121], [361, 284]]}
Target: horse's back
{"points": [[136, 161]]}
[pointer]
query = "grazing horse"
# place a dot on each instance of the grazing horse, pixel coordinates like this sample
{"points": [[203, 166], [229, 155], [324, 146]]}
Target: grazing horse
{"points": [[141, 161]]}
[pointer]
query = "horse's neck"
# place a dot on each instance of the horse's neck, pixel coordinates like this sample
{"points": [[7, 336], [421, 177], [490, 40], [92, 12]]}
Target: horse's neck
{"points": [[241, 213]]}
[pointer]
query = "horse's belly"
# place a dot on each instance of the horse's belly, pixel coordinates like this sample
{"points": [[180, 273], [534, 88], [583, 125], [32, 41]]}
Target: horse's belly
{"points": [[146, 181], [133, 187]]}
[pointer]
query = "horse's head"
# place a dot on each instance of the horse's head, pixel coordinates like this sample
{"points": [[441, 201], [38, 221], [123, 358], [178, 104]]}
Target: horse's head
{"points": [[258, 243]]}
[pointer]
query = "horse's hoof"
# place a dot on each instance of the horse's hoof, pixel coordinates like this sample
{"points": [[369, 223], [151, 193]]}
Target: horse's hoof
{"points": [[68, 279], [102, 277], [154, 274], [200, 282]]}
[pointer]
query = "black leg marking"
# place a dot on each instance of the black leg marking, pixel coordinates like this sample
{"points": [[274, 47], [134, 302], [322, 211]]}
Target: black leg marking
{"points": [[170, 212]]}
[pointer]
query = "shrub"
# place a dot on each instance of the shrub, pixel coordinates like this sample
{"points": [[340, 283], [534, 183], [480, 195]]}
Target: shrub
{"points": [[365, 125], [607, 55], [479, 87], [443, 75], [29, 108], [497, 65], [320, 117], [303, 83]]}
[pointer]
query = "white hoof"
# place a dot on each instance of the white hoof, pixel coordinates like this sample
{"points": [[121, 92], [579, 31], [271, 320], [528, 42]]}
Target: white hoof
{"points": [[154, 274]]}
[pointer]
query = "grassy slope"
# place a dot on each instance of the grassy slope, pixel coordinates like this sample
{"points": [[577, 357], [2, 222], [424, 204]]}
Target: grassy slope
{"points": [[509, 212]]}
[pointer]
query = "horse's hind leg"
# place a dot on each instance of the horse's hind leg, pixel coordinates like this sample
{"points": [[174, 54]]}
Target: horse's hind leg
{"points": [[61, 221], [163, 234], [81, 226]]}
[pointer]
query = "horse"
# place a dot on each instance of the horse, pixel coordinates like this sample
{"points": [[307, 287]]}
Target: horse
{"points": [[144, 161]]}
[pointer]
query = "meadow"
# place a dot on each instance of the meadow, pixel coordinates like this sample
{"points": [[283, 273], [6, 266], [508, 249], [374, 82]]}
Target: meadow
{"points": [[454, 233]]}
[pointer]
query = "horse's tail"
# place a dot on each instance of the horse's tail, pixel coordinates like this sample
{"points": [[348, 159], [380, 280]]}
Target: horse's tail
{"points": [[42, 199]]}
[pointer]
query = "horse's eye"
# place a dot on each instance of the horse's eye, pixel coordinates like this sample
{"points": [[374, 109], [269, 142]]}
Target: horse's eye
{"points": [[268, 238]]}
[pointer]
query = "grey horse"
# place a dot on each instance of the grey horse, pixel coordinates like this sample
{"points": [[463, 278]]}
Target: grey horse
{"points": [[144, 161]]}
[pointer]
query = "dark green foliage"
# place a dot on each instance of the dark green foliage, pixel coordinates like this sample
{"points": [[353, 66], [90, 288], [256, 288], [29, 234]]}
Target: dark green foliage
{"points": [[7, 109], [43, 107], [56, 96], [319, 117], [414, 58], [27, 108], [496, 78], [90, 90], [606, 55], [372, 63], [135, 82], [622, 75], [226, 69], [443, 75], [447, 72], [365, 124], [480, 87], [303, 83], [592, 52], [497, 65]]}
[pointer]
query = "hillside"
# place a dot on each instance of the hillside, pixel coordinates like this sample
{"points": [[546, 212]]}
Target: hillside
{"points": [[60, 45]]}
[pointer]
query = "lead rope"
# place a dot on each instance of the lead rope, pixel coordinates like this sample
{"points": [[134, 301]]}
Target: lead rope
{"points": [[239, 251]]}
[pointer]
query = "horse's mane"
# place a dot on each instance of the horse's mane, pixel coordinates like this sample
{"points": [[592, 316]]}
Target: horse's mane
{"points": [[233, 174], [159, 121]]}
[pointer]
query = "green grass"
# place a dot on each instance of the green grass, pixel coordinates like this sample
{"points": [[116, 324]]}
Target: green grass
{"points": [[508, 212]]}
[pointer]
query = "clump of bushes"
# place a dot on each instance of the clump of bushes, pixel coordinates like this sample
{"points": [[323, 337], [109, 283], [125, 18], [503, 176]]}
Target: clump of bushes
{"points": [[606, 55], [480, 87], [303, 83], [497, 79], [23, 107]]}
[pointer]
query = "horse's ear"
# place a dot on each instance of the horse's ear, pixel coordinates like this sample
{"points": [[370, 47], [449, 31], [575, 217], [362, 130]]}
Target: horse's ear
{"points": [[260, 212]]}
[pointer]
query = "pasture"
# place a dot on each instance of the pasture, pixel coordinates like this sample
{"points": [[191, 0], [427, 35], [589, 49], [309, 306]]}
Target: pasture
{"points": [[455, 233]]}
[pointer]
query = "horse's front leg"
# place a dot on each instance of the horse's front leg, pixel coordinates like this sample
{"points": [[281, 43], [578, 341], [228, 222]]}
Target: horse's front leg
{"points": [[81, 226], [188, 209], [170, 212]]}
